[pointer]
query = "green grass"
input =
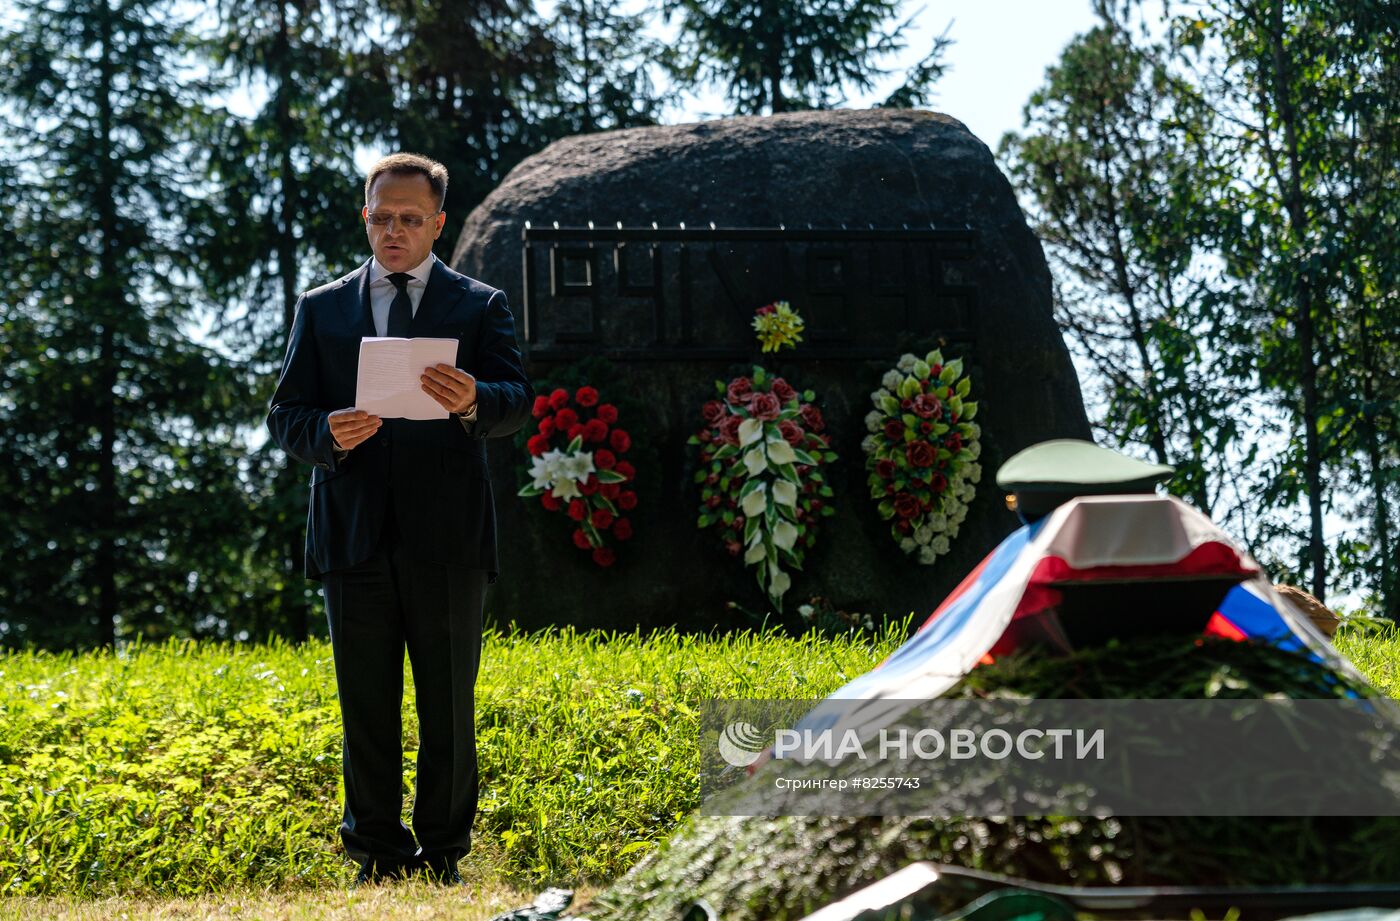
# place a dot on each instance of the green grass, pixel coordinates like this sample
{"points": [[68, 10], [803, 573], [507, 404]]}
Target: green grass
{"points": [[1374, 648], [484, 897], [186, 769], [182, 768]]}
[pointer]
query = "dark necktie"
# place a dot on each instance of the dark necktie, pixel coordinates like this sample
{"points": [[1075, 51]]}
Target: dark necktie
{"points": [[401, 310]]}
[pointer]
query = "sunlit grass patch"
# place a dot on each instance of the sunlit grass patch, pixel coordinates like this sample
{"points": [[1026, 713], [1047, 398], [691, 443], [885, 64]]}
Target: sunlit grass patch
{"points": [[184, 768]]}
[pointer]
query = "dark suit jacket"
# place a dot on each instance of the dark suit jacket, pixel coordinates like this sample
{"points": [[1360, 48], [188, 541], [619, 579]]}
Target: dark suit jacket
{"points": [[437, 468]]}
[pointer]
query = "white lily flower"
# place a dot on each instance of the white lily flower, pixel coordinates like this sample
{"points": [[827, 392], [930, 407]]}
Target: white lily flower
{"points": [[750, 430], [566, 489], [785, 535], [755, 554], [754, 461], [873, 421], [779, 583], [541, 473], [780, 452], [547, 464], [784, 493], [755, 502], [578, 466]]}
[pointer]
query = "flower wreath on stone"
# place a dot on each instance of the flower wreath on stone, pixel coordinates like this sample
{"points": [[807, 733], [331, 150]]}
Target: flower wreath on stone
{"points": [[578, 467], [760, 458], [922, 452]]}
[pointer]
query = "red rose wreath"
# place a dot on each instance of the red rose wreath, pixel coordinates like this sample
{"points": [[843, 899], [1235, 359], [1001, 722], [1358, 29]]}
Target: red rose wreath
{"points": [[578, 468]]}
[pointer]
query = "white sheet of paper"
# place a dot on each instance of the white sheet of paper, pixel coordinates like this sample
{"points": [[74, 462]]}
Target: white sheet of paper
{"points": [[388, 384]]}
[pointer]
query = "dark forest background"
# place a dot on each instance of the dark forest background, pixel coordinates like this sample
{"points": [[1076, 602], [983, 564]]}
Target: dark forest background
{"points": [[1215, 184]]}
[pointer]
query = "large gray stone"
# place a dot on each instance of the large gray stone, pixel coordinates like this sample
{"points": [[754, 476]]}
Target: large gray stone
{"points": [[881, 168]]}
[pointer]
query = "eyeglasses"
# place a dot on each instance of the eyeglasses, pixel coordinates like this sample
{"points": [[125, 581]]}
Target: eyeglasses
{"points": [[385, 218]]}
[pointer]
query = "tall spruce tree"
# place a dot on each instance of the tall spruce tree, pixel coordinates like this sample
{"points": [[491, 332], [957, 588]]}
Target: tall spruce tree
{"points": [[1115, 161], [1362, 80], [466, 82], [122, 473], [1372, 134], [1282, 187], [607, 64], [782, 55], [282, 215], [1286, 74], [918, 87]]}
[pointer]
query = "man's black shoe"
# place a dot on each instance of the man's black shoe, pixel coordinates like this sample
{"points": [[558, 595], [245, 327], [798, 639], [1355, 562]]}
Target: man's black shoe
{"points": [[373, 872], [440, 870]]}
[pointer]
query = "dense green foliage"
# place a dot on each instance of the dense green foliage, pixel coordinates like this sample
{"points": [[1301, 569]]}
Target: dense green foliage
{"points": [[794, 54], [281, 212], [119, 465], [1214, 184], [174, 174], [1111, 159], [605, 68], [185, 767], [788, 866]]}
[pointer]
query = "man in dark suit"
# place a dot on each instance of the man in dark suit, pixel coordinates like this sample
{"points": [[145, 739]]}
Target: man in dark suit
{"points": [[401, 526]]}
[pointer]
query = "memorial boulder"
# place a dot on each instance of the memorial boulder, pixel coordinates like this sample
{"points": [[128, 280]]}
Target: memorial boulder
{"points": [[634, 262]]}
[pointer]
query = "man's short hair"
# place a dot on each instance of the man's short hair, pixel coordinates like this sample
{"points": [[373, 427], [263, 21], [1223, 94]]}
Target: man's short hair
{"points": [[407, 164]]}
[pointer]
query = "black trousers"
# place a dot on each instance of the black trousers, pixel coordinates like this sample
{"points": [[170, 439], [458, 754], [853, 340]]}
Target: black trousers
{"points": [[376, 609]]}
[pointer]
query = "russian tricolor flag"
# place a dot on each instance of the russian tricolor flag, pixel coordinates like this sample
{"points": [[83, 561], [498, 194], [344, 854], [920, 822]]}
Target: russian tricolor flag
{"points": [[1097, 567]]}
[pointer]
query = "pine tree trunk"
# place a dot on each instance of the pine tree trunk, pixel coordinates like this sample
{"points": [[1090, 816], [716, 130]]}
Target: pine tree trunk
{"points": [[775, 81], [583, 23], [1390, 598], [109, 287], [775, 71], [1307, 303], [1138, 331]]}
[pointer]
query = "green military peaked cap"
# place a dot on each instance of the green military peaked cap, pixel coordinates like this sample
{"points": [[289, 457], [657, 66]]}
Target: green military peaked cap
{"points": [[1047, 475]]}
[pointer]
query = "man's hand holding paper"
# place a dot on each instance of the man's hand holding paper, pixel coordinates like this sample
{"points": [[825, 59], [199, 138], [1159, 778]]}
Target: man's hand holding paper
{"points": [[350, 427], [412, 379], [454, 388]]}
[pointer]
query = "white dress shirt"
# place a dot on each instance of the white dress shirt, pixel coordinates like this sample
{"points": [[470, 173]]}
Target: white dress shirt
{"points": [[382, 290], [381, 296]]}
